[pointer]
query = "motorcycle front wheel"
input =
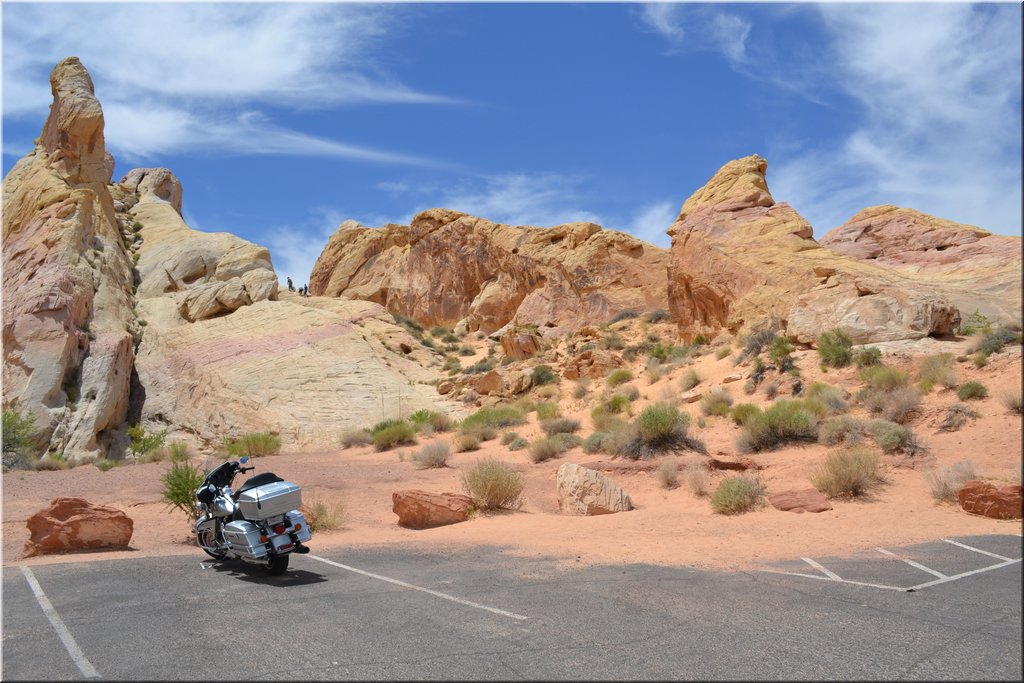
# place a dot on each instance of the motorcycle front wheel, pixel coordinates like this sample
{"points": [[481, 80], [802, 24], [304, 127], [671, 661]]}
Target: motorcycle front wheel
{"points": [[208, 538], [278, 565]]}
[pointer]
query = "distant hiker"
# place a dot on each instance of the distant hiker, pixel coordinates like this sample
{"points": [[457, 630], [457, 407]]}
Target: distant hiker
{"points": [[291, 287], [305, 290]]}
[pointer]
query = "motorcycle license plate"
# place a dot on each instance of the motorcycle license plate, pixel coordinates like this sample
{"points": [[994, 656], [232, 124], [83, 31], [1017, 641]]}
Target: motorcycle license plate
{"points": [[282, 542]]}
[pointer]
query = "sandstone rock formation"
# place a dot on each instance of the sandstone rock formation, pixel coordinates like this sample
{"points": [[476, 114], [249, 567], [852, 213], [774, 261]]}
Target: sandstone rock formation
{"points": [[76, 524], [973, 268], [986, 499], [423, 510], [448, 266], [740, 261], [68, 324], [806, 500], [583, 491]]}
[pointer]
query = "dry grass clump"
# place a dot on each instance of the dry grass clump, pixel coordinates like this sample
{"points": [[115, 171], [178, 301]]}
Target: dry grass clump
{"points": [[1012, 401], [831, 397], [496, 417], [581, 389], [399, 433], [433, 455], [848, 471], [689, 380], [619, 376], [508, 437], [957, 415], [892, 437], [356, 437], [840, 429], [668, 474], [322, 514], [936, 369], [560, 425], [717, 401], [971, 390], [494, 485], [546, 448], [737, 494], [463, 442], [946, 482], [53, 464], [743, 412], [547, 411], [782, 422], [868, 355], [696, 477], [253, 444], [896, 405], [605, 420]]}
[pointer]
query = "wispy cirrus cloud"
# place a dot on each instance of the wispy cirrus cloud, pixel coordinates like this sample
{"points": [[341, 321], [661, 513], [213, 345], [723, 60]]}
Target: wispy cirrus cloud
{"points": [[520, 198], [695, 27], [186, 76]]}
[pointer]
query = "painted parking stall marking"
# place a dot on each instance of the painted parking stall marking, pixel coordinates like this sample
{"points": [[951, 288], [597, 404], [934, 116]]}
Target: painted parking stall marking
{"points": [[63, 633]]}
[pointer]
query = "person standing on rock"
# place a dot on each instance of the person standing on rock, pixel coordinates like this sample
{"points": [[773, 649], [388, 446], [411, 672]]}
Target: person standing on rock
{"points": [[291, 287]]}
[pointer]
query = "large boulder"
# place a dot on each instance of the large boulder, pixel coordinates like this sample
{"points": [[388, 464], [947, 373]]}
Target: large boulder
{"points": [[76, 524], [740, 261], [448, 266], [973, 268], [804, 500], [583, 491], [986, 499], [423, 510]]}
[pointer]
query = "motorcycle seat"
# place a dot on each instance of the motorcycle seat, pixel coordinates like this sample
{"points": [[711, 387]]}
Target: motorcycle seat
{"points": [[258, 480]]}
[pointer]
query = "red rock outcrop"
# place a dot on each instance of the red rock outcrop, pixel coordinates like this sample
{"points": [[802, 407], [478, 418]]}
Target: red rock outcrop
{"points": [[976, 270], [739, 261], [76, 524], [986, 499], [806, 500], [449, 266], [423, 510]]}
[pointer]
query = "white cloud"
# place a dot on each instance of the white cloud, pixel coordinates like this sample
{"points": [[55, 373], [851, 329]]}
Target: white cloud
{"points": [[176, 77], [294, 249], [543, 199], [695, 27], [650, 223], [940, 128]]}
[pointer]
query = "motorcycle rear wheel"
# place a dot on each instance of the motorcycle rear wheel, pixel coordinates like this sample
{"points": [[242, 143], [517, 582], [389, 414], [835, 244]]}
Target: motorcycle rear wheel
{"points": [[278, 565]]}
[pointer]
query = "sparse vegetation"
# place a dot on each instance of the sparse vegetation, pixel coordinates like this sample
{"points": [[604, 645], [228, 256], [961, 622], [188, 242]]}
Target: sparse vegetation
{"points": [[142, 443], [18, 430], [322, 514], [180, 484], [659, 315], [105, 464], [834, 349], [508, 437], [892, 437], [830, 397], [737, 494], [593, 443], [659, 428], [957, 415], [433, 455], [496, 417], [613, 342], [696, 477], [867, 356], [690, 379], [847, 471], [757, 342], [560, 425], [1012, 401], [493, 485], [543, 374], [545, 448], [936, 369], [356, 437], [400, 433], [668, 474], [624, 315], [463, 442], [722, 352], [779, 353], [518, 444], [253, 444], [743, 412], [547, 410], [717, 401], [841, 429], [782, 422], [994, 341], [971, 390], [581, 389], [619, 376], [946, 482]]}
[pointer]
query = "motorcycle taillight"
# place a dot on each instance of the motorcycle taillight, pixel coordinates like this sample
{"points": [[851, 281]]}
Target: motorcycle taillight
{"points": [[279, 528]]}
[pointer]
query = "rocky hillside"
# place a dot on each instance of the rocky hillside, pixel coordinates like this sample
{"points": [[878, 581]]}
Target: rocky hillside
{"points": [[448, 267]]}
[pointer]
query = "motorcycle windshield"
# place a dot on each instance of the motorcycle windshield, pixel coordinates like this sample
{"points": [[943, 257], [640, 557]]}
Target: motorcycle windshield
{"points": [[221, 475]]}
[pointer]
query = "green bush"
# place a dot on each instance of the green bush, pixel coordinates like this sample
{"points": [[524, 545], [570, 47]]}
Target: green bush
{"points": [[142, 442], [660, 427], [103, 464], [560, 425], [717, 401], [356, 437], [606, 421], [480, 367], [180, 484], [946, 482], [547, 410], [834, 349], [848, 471], [493, 485], [496, 417], [782, 422], [884, 378], [254, 444], [1012, 401], [757, 342], [743, 412], [543, 374], [612, 342], [830, 396], [840, 429], [736, 495], [518, 444], [508, 437], [936, 369], [385, 424], [994, 341], [398, 434], [18, 431], [433, 455], [619, 376], [668, 475], [971, 390], [867, 356], [892, 437], [779, 353], [592, 444], [618, 403]]}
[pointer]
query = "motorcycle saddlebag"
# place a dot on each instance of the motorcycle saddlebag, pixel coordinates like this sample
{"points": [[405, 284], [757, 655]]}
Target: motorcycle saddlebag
{"points": [[270, 500], [244, 538]]}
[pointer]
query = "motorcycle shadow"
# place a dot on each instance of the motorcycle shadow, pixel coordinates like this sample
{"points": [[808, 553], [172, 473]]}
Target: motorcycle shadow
{"points": [[255, 574]]}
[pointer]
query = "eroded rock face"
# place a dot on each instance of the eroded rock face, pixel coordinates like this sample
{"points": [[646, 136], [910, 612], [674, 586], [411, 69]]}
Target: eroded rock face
{"points": [[740, 261], [423, 510], [973, 268], [986, 499], [448, 267], [68, 321], [76, 524], [583, 491]]}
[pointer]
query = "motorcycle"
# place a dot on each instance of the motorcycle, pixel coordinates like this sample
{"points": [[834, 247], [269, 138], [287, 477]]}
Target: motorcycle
{"points": [[260, 523]]}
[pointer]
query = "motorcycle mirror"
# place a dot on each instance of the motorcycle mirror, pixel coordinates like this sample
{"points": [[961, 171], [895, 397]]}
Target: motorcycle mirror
{"points": [[244, 460]]}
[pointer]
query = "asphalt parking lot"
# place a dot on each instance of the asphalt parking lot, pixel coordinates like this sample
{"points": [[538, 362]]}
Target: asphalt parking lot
{"points": [[377, 614]]}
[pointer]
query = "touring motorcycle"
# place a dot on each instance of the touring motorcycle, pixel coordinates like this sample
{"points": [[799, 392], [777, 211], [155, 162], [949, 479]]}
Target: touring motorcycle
{"points": [[260, 523]]}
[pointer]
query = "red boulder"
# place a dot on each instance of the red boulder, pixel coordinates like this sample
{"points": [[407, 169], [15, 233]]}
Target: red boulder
{"points": [[998, 502], [76, 524], [422, 510]]}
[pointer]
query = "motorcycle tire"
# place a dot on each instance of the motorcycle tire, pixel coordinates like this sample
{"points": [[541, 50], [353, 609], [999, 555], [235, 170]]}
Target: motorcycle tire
{"points": [[278, 565], [204, 537]]}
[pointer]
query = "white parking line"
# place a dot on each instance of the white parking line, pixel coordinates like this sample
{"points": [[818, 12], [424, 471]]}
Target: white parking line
{"points": [[977, 550], [403, 584], [916, 565], [58, 625], [960, 576], [831, 575]]}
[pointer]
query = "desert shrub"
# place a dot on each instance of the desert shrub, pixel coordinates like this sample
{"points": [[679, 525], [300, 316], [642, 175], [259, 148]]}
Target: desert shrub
{"points": [[482, 432], [976, 322], [493, 485], [142, 442], [450, 338], [497, 417], [696, 477], [543, 374], [560, 425], [592, 444], [508, 437], [782, 422], [771, 390], [848, 471], [441, 422], [322, 514], [830, 396], [757, 342], [433, 455], [736, 495], [18, 431], [690, 380], [612, 342], [957, 415], [980, 360], [616, 404], [840, 429], [384, 424], [994, 341], [356, 437], [466, 350], [716, 402], [624, 315], [1012, 401], [178, 451], [545, 448], [254, 444], [398, 434], [834, 348], [668, 474], [581, 389], [971, 390], [547, 411], [605, 420], [722, 352], [743, 412], [52, 462], [619, 376], [896, 405], [630, 392], [892, 437], [884, 378], [421, 416], [660, 427], [618, 440], [936, 369], [480, 367], [567, 440], [946, 482], [463, 442], [180, 484], [654, 370], [451, 364], [866, 356], [779, 353], [549, 391], [659, 315], [518, 444], [104, 464], [410, 324]]}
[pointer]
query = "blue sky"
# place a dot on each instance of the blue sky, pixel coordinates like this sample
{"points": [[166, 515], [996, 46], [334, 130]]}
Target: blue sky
{"points": [[282, 120]]}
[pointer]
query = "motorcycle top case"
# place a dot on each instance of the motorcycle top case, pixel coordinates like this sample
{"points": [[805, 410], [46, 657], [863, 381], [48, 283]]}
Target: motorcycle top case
{"points": [[270, 500]]}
